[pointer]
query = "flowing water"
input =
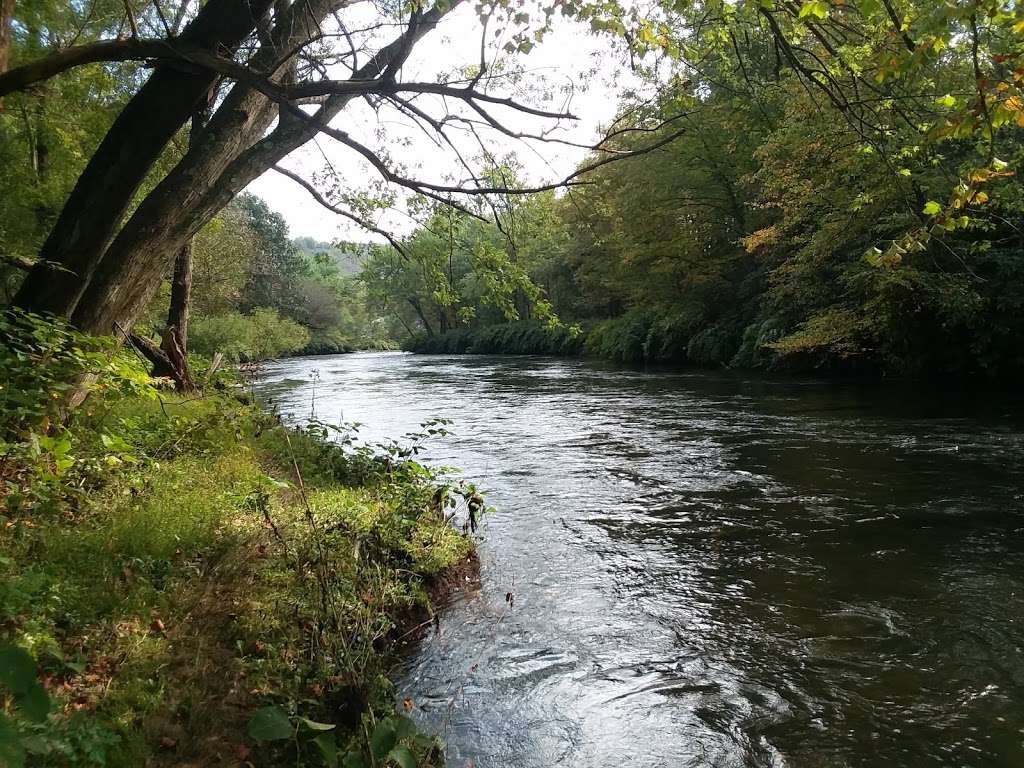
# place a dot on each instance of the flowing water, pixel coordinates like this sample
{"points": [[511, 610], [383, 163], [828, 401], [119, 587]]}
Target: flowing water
{"points": [[711, 569]]}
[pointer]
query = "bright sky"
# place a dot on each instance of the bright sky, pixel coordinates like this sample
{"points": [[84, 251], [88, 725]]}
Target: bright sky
{"points": [[569, 63]]}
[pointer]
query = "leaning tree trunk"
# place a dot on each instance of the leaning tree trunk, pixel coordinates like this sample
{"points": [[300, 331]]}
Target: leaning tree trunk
{"points": [[6, 15], [232, 153], [134, 142]]}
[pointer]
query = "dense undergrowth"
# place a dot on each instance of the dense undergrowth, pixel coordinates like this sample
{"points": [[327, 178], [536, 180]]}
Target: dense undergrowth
{"points": [[517, 338], [185, 581], [640, 336]]}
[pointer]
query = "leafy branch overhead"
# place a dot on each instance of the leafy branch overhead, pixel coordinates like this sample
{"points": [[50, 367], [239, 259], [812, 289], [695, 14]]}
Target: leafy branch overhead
{"points": [[280, 75]]}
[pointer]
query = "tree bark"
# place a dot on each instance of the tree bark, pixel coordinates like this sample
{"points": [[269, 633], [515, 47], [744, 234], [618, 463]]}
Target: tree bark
{"points": [[167, 364], [181, 294], [141, 132], [175, 341], [6, 16], [415, 302], [233, 152], [179, 364]]}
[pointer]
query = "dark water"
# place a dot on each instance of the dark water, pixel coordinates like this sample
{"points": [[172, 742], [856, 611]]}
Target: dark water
{"points": [[710, 569]]}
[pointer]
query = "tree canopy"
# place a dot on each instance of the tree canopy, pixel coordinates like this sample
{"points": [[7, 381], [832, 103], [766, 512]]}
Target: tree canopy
{"points": [[806, 182]]}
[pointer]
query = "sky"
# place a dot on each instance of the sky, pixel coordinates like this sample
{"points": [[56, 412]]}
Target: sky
{"points": [[574, 67]]}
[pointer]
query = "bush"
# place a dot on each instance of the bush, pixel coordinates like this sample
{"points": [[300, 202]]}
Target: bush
{"points": [[262, 335], [331, 342], [43, 360], [622, 339], [525, 337]]}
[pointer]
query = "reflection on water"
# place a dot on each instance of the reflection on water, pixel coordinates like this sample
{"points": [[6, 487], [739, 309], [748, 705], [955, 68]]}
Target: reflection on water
{"points": [[711, 569]]}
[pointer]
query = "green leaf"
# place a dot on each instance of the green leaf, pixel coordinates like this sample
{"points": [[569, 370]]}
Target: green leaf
{"points": [[313, 725], [402, 756], [270, 724], [34, 703], [17, 669], [816, 8], [946, 101], [328, 749], [931, 208], [404, 726], [383, 739], [353, 760], [12, 754]]}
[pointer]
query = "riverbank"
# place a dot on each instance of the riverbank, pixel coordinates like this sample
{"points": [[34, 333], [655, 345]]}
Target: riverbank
{"points": [[653, 338], [639, 337], [185, 581], [694, 568]]}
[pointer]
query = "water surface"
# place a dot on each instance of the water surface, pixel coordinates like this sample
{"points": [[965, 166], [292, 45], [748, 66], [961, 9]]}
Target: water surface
{"points": [[712, 569]]}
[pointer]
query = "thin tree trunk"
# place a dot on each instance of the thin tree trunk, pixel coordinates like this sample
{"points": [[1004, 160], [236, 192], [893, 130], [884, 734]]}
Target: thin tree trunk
{"points": [[176, 355], [166, 364], [139, 135], [181, 294], [175, 340], [419, 311]]}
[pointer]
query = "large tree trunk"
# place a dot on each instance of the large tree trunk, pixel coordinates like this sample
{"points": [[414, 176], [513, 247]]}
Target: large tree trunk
{"points": [[128, 275], [6, 15], [134, 142], [230, 156]]}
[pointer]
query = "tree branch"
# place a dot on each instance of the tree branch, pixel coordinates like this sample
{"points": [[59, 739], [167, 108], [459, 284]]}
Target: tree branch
{"points": [[315, 193]]}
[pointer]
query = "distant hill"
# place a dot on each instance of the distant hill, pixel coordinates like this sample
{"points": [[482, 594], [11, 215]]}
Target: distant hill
{"points": [[349, 257]]}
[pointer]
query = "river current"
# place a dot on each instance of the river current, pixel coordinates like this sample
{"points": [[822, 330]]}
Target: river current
{"points": [[711, 569]]}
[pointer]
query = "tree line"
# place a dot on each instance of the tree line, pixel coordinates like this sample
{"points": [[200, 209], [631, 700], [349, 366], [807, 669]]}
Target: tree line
{"points": [[841, 197], [792, 184]]}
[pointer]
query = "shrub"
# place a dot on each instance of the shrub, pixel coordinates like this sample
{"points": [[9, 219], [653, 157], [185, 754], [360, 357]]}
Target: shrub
{"points": [[524, 337], [262, 335]]}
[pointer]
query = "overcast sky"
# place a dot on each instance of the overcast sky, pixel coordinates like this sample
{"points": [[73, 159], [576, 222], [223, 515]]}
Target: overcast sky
{"points": [[570, 63]]}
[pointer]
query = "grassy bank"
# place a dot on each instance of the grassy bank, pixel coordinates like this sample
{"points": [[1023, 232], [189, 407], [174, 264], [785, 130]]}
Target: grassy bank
{"points": [[184, 581]]}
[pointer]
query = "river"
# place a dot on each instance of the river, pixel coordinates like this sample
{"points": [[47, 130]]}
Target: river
{"points": [[711, 569]]}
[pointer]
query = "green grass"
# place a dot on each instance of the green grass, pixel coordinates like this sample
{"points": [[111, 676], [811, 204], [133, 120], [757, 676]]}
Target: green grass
{"points": [[179, 575]]}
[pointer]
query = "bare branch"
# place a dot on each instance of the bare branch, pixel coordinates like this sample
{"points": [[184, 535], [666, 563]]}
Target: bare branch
{"points": [[315, 193]]}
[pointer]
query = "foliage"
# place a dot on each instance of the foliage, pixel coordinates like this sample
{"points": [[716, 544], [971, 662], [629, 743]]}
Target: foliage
{"points": [[524, 337], [252, 285], [48, 366], [457, 271], [194, 587], [262, 335], [792, 222]]}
